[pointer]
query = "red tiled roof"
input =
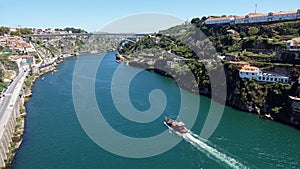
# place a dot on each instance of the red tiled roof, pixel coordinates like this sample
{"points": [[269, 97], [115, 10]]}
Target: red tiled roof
{"points": [[221, 18], [285, 12], [253, 15], [15, 57]]}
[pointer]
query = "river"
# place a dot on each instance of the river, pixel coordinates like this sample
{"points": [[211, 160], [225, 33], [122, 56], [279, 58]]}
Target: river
{"points": [[54, 138]]}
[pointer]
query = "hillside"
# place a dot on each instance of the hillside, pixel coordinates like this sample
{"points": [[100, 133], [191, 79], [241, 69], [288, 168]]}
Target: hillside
{"points": [[8, 68], [199, 47]]}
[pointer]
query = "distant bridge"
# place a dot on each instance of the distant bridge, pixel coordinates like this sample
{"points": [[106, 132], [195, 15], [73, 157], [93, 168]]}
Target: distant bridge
{"points": [[85, 34]]}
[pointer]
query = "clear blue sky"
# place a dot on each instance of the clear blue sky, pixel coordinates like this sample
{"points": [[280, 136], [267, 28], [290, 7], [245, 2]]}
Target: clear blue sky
{"points": [[94, 14]]}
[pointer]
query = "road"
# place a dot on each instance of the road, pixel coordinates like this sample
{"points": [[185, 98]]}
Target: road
{"points": [[5, 101]]}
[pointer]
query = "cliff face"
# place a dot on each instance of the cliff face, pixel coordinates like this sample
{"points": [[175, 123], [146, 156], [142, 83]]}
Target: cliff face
{"points": [[269, 100]]}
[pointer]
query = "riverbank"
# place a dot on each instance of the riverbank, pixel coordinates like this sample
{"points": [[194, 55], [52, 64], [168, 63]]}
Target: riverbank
{"points": [[16, 139], [20, 125]]}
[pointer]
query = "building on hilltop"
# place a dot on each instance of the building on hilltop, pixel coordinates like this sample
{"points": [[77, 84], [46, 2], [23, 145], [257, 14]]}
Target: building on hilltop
{"points": [[219, 20], [254, 18]]}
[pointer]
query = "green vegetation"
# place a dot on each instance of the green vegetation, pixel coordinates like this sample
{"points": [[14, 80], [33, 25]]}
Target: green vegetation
{"points": [[159, 41], [240, 37], [253, 94], [6, 50], [257, 44], [22, 31], [74, 30], [253, 31], [4, 30], [18, 32], [8, 64], [291, 57], [5, 64]]}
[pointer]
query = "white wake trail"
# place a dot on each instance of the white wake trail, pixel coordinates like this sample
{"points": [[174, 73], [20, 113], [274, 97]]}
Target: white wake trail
{"points": [[210, 151]]}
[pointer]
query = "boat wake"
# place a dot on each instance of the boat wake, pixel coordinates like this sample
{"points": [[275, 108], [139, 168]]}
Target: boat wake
{"points": [[211, 152]]}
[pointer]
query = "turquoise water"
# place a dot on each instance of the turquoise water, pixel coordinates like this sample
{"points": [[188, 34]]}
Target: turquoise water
{"points": [[54, 137]]}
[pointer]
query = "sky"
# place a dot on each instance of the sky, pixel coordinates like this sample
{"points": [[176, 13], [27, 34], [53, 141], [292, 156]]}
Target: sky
{"points": [[94, 15]]}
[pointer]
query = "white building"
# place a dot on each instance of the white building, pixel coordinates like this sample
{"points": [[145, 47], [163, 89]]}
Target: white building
{"points": [[29, 48], [265, 77], [221, 20], [251, 72], [255, 17], [293, 45], [239, 19]]}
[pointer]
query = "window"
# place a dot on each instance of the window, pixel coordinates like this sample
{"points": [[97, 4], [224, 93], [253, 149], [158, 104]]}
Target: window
{"points": [[247, 73], [271, 79], [263, 78], [275, 79], [285, 80], [259, 78], [253, 74], [267, 78]]}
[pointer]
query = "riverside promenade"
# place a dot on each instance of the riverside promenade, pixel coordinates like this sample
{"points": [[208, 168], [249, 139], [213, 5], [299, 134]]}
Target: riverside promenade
{"points": [[9, 111]]}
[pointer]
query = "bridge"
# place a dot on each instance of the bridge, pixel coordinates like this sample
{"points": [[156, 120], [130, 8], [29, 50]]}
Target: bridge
{"points": [[85, 34]]}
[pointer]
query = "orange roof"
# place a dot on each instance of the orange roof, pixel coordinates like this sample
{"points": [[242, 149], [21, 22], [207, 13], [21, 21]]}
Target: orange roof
{"points": [[221, 18], [285, 12], [20, 56], [253, 15], [239, 63], [239, 17], [249, 69]]}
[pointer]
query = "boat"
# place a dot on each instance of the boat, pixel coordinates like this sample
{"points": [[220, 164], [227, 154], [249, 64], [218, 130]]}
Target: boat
{"points": [[177, 126]]}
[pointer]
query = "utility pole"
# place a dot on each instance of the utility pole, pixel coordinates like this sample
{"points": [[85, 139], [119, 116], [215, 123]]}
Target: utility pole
{"points": [[255, 8]]}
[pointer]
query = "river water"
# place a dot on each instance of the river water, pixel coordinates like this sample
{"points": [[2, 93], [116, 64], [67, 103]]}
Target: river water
{"points": [[54, 138]]}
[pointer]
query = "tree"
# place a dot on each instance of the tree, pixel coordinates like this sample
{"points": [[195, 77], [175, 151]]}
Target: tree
{"points": [[252, 31], [22, 31], [242, 34], [294, 74], [74, 30], [4, 30], [197, 22], [204, 18], [1, 75]]}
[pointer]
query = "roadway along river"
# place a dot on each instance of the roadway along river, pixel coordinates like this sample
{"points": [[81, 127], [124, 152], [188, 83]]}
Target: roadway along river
{"points": [[54, 137]]}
